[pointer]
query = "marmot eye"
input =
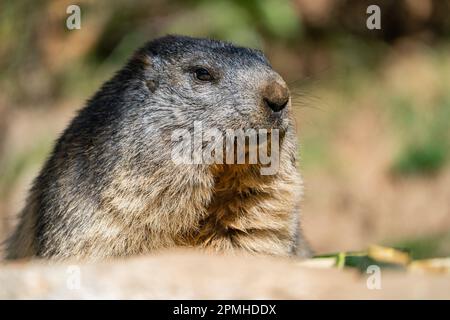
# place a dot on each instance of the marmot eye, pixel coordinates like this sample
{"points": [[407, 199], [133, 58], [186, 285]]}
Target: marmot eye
{"points": [[202, 74]]}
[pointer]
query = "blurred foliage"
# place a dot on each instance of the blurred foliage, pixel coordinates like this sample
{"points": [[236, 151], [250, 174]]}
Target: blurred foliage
{"points": [[436, 245], [242, 22], [383, 258], [426, 135], [34, 36], [421, 159]]}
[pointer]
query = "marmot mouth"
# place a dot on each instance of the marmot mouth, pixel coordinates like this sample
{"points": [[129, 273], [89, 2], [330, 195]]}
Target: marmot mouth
{"points": [[279, 122]]}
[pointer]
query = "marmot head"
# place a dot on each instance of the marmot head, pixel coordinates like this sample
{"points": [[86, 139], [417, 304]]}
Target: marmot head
{"points": [[217, 83]]}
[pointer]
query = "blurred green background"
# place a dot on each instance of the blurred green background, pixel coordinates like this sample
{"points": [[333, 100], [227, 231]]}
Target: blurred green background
{"points": [[372, 106]]}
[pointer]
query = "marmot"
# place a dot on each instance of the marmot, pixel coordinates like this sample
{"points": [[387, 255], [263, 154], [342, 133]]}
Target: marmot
{"points": [[111, 188]]}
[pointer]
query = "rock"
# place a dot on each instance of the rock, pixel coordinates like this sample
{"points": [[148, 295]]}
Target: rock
{"points": [[193, 275]]}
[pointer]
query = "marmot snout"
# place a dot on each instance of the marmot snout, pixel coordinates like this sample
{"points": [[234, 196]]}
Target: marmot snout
{"points": [[111, 186]]}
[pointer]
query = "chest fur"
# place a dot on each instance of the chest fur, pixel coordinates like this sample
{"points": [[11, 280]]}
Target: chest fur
{"points": [[249, 211]]}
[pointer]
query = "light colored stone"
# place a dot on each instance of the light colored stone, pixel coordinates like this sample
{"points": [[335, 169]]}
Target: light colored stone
{"points": [[192, 275]]}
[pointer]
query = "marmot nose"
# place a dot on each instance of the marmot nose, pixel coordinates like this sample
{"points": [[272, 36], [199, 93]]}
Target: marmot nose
{"points": [[276, 96]]}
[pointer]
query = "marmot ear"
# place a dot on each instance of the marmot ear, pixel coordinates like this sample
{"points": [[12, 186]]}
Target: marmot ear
{"points": [[152, 84], [151, 76]]}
